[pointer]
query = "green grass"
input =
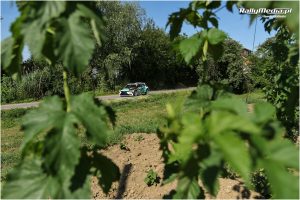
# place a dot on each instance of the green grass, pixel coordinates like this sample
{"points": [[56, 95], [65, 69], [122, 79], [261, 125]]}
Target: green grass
{"points": [[143, 114], [253, 97]]}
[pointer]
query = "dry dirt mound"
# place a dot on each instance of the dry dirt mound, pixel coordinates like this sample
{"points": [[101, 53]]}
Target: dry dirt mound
{"points": [[143, 154]]}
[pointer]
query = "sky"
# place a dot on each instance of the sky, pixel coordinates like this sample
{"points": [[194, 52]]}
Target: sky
{"points": [[236, 25]]}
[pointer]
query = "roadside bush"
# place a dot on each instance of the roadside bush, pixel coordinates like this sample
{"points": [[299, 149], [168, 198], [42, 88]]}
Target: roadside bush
{"points": [[35, 85], [8, 89]]}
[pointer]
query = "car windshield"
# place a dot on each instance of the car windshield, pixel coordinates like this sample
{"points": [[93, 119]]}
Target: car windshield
{"points": [[130, 86]]}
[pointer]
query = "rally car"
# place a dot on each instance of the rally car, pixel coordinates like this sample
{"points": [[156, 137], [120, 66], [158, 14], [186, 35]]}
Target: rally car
{"points": [[134, 89]]}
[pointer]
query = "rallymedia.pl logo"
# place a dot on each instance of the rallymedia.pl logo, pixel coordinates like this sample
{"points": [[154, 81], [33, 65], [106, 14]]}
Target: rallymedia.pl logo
{"points": [[274, 11]]}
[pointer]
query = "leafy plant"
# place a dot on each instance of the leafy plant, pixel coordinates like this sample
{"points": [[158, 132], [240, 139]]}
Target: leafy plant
{"points": [[215, 128], [151, 178], [123, 146], [54, 163], [260, 182]]}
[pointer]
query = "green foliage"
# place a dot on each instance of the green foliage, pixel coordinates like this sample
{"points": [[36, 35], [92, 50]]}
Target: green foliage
{"points": [[279, 75], [60, 30], [216, 129], [130, 119], [260, 183], [123, 146], [62, 153], [54, 163], [230, 68], [151, 178]]}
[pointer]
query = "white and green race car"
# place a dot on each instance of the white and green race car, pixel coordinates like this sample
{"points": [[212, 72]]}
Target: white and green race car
{"points": [[134, 89]]}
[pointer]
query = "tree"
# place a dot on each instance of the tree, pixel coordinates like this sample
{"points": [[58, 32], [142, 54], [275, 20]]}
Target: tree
{"points": [[279, 75], [230, 68]]}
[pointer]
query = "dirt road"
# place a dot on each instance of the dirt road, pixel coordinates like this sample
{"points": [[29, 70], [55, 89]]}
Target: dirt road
{"points": [[108, 97]]}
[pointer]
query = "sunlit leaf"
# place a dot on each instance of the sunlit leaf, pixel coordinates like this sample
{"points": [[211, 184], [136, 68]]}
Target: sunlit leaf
{"points": [[235, 153], [93, 118], [215, 36], [74, 43], [191, 47], [279, 177], [188, 188], [50, 114]]}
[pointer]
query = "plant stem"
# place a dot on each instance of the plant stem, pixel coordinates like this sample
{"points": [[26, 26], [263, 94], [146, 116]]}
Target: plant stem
{"points": [[67, 91]]}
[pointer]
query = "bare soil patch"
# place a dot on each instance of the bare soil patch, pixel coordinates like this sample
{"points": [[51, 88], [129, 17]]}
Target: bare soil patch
{"points": [[143, 154]]}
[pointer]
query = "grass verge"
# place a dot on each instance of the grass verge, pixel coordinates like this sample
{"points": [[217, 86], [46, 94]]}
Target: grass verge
{"points": [[143, 114]]}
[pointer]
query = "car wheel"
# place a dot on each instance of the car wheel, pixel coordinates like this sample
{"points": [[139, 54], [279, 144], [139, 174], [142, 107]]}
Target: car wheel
{"points": [[134, 93], [146, 92]]}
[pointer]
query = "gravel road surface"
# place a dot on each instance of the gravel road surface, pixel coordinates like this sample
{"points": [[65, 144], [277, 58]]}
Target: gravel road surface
{"points": [[108, 97]]}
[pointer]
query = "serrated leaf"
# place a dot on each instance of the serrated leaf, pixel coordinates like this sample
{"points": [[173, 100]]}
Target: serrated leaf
{"points": [[14, 52], [215, 36], [235, 153], [61, 151], [234, 105], [190, 47], [283, 184], [6, 52], [50, 114], [230, 122], [209, 176], [37, 22], [284, 152], [264, 112], [93, 118], [75, 44], [27, 181], [95, 20], [188, 188], [199, 98]]}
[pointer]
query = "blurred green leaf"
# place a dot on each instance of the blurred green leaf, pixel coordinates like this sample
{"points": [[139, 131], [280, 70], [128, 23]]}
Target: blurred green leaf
{"points": [[284, 152], [215, 36], [191, 47], [27, 181], [94, 118], [188, 188], [214, 22], [61, 151], [50, 114], [75, 44], [264, 112], [209, 176], [6, 52], [230, 4], [230, 122], [235, 153], [283, 184], [234, 105], [96, 22]]}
